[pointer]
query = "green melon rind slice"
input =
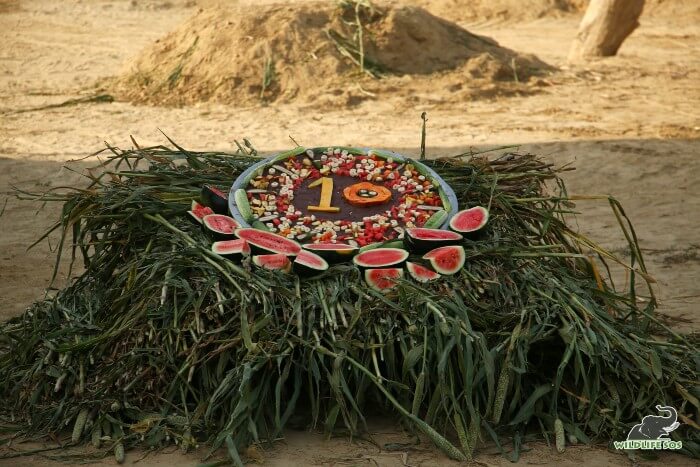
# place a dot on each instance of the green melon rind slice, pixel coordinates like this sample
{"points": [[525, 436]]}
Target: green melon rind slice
{"points": [[240, 197], [387, 244], [436, 220]]}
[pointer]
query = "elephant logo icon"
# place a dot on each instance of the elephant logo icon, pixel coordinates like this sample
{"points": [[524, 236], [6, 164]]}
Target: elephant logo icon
{"points": [[655, 427]]}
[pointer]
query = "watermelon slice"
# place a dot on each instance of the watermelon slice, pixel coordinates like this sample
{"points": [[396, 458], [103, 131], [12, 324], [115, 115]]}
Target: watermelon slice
{"points": [[307, 263], [268, 242], [420, 273], [198, 211], [215, 198], [220, 227], [381, 257], [274, 262], [231, 249], [420, 240], [383, 279], [447, 260], [470, 221]]}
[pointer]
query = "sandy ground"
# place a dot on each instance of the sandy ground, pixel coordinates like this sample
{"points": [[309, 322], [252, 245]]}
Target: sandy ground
{"points": [[630, 124]]}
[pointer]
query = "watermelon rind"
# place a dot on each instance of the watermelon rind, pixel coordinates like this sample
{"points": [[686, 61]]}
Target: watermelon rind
{"points": [[437, 220], [469, 231], [387, 244], [373, 258], [267, 242], [421, 239], [333, 252], [435, 256], [240, 197], [215, 199], [421, 273], [375, 281]]}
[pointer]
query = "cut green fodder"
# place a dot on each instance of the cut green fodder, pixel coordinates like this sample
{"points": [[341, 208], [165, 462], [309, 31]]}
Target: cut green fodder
{"points": [[161, 339]]}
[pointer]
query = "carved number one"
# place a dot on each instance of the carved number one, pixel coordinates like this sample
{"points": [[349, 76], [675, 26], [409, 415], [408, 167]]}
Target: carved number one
{"points": [[324, 204]]}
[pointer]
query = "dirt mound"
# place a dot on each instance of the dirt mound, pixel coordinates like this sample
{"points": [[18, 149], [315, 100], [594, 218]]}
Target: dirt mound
{"points": [[272, 53], [9, 6], [507, 10]]}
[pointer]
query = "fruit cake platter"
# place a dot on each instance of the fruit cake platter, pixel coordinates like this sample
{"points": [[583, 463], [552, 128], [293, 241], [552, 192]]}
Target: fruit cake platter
{"points": [[341, 195], [306, 209]]}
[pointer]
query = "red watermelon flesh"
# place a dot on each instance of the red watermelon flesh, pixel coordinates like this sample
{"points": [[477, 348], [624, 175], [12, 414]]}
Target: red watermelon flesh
{"points": [[381, 257], [220, 223], [311, 259], [421, 273], [383, 279], [307, 263], [447, 260], [198, 211], [269, 241], [275, 262], [432, 234], [469, 220]]}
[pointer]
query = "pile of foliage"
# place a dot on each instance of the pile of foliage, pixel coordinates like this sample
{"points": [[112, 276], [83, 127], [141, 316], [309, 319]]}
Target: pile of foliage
{"points": [[160, 340]]}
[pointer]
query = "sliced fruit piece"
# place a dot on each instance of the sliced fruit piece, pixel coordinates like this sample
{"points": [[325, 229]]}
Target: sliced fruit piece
{"points": [[366, 194], [470, 221], [443, 196], [259, 225], [198, 211], [240, 197], [421, 273], [333, 252], [420, 239], [307, 263], [269, 242], [383, 279], [387, 244], [215, 199], [381, 258], [231, 249], [219, 226], [447, 260], [274, 262], [437, 220]]}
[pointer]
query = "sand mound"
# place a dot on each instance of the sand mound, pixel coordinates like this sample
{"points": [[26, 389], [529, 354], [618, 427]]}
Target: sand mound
{"points": [[507, 10], [245, 54]]}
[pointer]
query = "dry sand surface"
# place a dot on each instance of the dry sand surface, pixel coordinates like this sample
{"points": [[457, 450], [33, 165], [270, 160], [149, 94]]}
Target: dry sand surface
{"points": [[630, 124]]}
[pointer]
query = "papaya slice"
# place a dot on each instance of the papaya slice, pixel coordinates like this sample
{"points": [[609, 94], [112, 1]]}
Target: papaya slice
{"points": [[366, 194]]}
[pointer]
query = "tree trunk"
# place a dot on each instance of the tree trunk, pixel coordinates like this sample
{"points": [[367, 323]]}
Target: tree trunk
{"points": [[604, 27]]}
